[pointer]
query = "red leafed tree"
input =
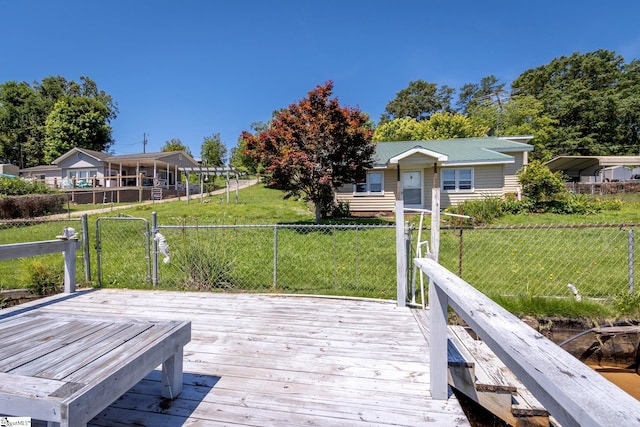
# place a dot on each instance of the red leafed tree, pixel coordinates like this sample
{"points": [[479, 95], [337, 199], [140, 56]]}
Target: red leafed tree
{"points": [[314, 147]]}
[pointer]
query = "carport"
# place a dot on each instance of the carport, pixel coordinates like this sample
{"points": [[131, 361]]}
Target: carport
{"points": [[576, 167]]}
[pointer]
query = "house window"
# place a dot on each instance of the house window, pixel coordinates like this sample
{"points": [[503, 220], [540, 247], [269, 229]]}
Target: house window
{"points": [[372, 184], [457, 180], [82, 173]]}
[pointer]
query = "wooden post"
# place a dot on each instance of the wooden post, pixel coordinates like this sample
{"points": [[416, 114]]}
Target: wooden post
{"points": [[401, 256], [435, 214], [139, 187], [69, 253], [227, 184]]}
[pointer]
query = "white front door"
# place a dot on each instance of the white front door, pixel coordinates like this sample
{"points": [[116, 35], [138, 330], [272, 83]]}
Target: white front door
{"points": [[412, 189]]}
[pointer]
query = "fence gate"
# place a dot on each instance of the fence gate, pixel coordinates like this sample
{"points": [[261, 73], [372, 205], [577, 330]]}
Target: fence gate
{"points": [[123, 251]]}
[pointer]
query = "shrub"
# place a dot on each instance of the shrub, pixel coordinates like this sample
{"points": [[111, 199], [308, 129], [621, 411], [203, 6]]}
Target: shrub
{"points": [[516, 207], [539, 183], [20, 187], [580, 204], [482, 211], [610, 204], [44, 279], [205, 266], [341, 210], [30, 206]]}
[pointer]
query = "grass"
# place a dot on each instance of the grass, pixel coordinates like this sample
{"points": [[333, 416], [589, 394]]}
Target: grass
{"points": [[256, 205], [626, 215]]}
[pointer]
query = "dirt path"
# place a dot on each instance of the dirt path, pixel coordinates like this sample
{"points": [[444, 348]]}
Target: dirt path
{"points": [[243, 183]]}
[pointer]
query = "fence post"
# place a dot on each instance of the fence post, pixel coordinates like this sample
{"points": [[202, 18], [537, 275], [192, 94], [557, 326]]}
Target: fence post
{"points": [[154, 251], [335, 260], [401, 256], [70, 247], [275, 256], [407, 248], [357, 260], [85, 247], [631, 261]]}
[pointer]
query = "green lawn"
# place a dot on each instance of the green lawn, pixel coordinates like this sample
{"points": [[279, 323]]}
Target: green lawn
{"points": [[519, 268]]}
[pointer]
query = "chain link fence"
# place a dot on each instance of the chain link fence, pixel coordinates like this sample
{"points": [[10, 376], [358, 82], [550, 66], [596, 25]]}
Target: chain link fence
{"points": [[574, 261], [43, 273], [346, 260], [594, 261]]}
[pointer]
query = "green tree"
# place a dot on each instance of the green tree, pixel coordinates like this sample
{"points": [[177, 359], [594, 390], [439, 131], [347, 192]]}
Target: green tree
{"points": [[213, 151], [174, 144], [17, 101], [314, 147], [24, 110], [76, 122], [402, 129], [242, 161], [448, 125], [444, 125], [419, 100], [519, 115], [593, 96], [489, 91]]}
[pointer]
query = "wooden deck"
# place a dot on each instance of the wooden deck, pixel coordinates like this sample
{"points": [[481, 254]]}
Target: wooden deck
{"points": [[263, 360]]}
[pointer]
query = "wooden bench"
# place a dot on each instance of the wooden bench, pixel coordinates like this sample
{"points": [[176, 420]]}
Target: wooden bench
{"points": [[67, 368]]}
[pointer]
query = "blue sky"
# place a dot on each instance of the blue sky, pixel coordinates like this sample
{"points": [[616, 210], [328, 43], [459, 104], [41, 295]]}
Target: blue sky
{"points": [[190, 68]]}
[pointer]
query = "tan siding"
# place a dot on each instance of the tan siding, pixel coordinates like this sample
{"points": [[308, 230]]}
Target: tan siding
{"points": [[488, 178], [377, 203], [510, 178], [428, 185], [488, 181], [492, 180]]}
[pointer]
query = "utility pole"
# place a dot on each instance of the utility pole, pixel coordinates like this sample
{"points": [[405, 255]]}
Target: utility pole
{"points": [[144, 143]]}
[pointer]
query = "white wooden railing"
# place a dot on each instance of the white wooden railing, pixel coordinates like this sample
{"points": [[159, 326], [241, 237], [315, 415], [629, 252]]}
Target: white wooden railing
{"points": [[573, 393], [67, 247]]}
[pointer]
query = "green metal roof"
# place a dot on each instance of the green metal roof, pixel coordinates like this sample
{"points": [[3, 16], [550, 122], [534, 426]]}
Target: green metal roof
{"points": [[463, 150]]}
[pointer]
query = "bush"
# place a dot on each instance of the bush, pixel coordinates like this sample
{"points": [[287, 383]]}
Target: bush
{"points": [[205, 267], [31, 206], [580, 204], [341, 210], [482, 211], [21, 187], [44, 279], [540, 184]]}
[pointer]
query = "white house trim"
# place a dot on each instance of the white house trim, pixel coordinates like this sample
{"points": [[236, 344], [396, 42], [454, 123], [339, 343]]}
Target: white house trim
{"points": [[463, 164], [439, 157]]}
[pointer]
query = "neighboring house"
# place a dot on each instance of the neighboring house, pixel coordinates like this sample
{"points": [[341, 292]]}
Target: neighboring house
{"points": [[80, 167], [8, 170], [51, 174], [469, 168], [594, 169]]}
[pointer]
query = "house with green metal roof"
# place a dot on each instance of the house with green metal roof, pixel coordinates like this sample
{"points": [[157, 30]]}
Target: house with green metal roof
{"points": [[467, 168]]}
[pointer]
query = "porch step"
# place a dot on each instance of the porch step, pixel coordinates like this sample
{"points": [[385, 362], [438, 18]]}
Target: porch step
{"points": [[476, 372]]}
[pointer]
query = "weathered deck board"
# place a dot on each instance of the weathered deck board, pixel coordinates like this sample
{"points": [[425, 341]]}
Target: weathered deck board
{"points": [[286, 361]]}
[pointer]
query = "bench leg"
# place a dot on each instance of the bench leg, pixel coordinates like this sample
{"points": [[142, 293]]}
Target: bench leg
{"points": [[172, 376]]}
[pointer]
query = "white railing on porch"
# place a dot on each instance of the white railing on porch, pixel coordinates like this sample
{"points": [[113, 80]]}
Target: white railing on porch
{"points": [[573, 393], [67, 247]]}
